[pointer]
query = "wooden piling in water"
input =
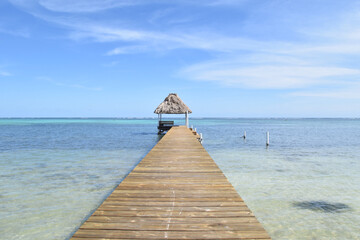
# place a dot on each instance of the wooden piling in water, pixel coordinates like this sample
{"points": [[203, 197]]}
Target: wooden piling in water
{"points": [[176, 192]]}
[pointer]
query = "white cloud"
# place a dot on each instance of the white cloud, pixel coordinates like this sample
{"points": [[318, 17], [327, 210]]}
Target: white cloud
{"points": [[111, 64], [283, 76], [90, 6], [225, 2], [70, 6], [111, 34], [5, 74], [83, 28], [326, 58], [159, 15], [69, 85], [15, 32], [128, 50], [311, 58], [349, 92]]}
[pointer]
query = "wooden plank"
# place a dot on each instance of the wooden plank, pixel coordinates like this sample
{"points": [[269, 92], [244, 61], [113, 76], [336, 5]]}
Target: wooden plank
{"points": [[151, 226], [175, 204], [173, 214], [206, 220], [176, 192], [189, 199], [156, 186], [101, 238], [136, 234], [112, 207]]}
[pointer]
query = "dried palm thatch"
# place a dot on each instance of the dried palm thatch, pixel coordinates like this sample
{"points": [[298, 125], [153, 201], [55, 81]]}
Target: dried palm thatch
{"points": [[172, 105]]}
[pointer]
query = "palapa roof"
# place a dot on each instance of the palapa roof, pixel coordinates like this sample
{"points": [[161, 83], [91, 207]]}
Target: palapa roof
{"points": [[172, 105]]}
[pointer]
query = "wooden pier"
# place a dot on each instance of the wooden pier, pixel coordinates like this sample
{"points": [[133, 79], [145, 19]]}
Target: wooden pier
{"points": [[176, 192]]}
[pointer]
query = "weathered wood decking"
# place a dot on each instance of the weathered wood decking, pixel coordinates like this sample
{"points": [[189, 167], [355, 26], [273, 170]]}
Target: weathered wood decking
{"points": [[176, 192]]}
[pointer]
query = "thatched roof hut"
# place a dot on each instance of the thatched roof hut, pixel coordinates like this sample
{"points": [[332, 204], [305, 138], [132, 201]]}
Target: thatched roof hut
{"points": [[172, 105]]}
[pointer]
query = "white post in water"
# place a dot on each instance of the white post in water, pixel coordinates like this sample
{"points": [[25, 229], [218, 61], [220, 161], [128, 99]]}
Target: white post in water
{"points": [[201, 139], [192, 127], [187, 119], [244, 135], [267, 138]]}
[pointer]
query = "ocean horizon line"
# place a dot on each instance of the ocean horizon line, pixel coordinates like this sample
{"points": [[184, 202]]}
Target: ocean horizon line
{"points": [[166, 117]]}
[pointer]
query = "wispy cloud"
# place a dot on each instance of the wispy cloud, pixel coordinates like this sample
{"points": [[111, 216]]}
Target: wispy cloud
{"points": [[285, 76], [295, 55], [110, 34], [345, 92], [69, 6], [128, 50], [83, 28], [111, 64], [90, 6], [226, 2], [15, 32], [325, 58], [71, 85], [5, 74], [159, 15]]}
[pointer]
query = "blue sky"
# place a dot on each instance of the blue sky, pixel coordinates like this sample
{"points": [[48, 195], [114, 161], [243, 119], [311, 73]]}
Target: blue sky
{"points": [[231, 58]]}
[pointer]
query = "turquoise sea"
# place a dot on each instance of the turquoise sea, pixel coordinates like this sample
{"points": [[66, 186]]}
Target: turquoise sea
{"points": [[305, 185]]}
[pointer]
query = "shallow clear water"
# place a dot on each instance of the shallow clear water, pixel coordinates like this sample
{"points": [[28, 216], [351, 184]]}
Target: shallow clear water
{"points": [[306, 185]]}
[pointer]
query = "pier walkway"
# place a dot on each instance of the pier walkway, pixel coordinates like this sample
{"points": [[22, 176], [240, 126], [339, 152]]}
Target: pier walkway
{"points": [[176, 192]]}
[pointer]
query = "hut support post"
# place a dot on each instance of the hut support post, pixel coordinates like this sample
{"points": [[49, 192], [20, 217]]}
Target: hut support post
{"points": [[187, 119], [159, 125]]}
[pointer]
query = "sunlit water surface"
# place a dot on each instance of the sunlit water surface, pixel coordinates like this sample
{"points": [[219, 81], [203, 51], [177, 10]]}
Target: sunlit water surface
{"points": [[306, 185]]}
